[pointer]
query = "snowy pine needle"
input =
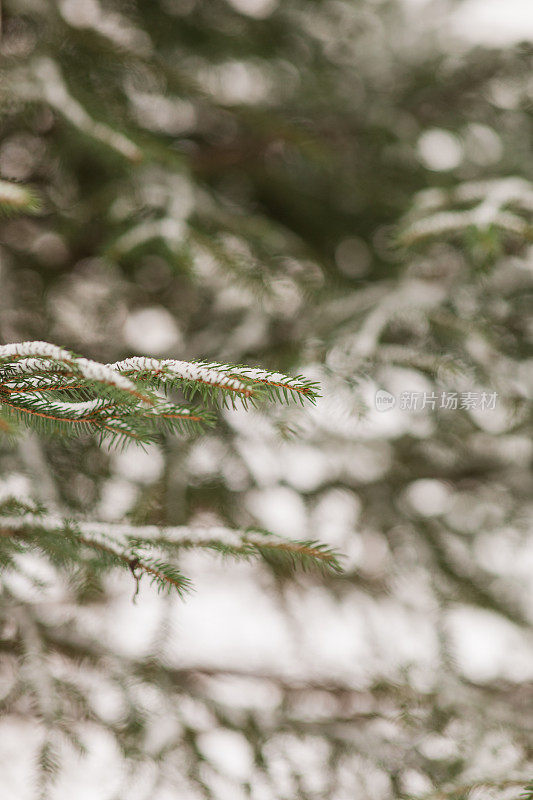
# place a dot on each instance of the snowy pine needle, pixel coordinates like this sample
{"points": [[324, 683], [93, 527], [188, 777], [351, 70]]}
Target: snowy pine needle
{"points": [[144, 550], [52, 389]]}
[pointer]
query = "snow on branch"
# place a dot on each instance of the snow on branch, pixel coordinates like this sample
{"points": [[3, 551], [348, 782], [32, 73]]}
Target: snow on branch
{"points": [[51, 388], [168, 371], [505, 204], [45, 82], [228, 380], [149, 549]]}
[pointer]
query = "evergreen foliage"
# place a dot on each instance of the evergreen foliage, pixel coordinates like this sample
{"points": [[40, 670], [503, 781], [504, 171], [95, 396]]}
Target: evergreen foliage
{"points": [[53, 389], [334, 188], [142, 550]]}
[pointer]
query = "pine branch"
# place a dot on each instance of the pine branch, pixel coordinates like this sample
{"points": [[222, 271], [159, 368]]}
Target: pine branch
{"points": [[52, 389], [44, 81], [482, 205], [211, 379], [278, 386], [145, 549], [42, 358]]}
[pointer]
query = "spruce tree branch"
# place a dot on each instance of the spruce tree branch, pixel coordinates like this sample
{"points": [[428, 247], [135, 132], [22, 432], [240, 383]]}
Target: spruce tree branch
{"points": [[28, 357], [166, 576], [241, 380], [150, 550], [44, 81], [122, 400], [488, 204]]}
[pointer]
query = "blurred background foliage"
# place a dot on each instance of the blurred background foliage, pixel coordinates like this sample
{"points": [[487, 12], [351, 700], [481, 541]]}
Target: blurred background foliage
{"points": [[329, 187]]}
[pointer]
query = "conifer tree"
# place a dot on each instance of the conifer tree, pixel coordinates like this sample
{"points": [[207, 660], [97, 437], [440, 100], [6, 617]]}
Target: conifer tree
{"points": [[209, 207]]}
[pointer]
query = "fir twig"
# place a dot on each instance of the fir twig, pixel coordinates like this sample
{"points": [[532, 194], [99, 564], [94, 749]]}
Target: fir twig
{"points": [[53, 389], [148, 549]]}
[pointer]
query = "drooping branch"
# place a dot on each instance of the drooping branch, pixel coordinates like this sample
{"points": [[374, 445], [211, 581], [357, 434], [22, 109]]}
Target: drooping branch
{"points": [[148, 549]]}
